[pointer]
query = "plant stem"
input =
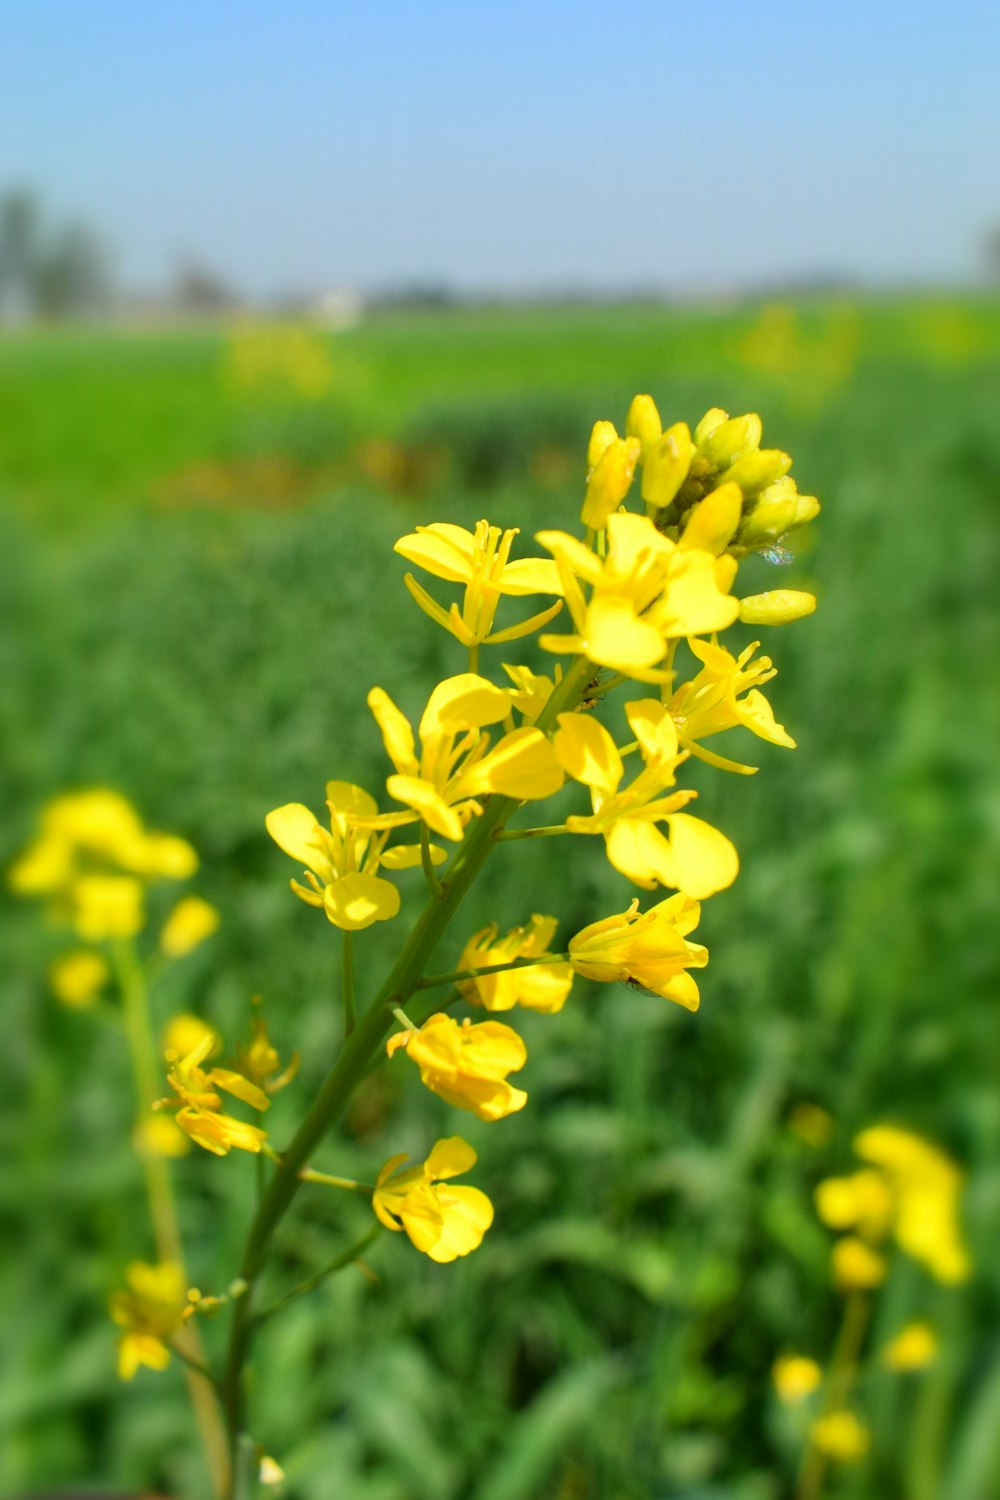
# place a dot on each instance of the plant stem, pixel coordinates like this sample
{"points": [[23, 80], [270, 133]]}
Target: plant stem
{"points": [[433, 980], [162, 1209], [843, 1365], [348, 1258], [430, 874], [347, 982], [548, 832], [358, 1051], [308, 1175]]}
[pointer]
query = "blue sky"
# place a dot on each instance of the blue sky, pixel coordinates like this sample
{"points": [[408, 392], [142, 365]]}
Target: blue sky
{"points": [[514, 145]]}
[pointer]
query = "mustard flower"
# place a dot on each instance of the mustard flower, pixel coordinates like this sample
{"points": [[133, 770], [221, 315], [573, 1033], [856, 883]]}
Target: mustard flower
{"points": [[840, 1436], [341, 861], [77, 978], [696, 858], [914, 1348], [795, 1378], [260, 1062], [926, 1187], [107, 907], [149, 1310], [467, 1064], [199, 1103], [531, 690], [479, 560], [646, 591], [856, 1266], [648, 950], [543, 987], [441, 1220], [456, 767], [861, 1201], [184, 1032], [190, 923], [725, 694]]}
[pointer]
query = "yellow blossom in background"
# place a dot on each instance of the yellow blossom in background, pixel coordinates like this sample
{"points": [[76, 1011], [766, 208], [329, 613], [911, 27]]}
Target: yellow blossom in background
{"points": [[645, 592], [78, 978], [543, 987], [467, 1064], [927, 1187], [914, 1348], [342, 861], [150, 1310], [795, 1378], [441, 1220], [260, 1062], [725, 694], [861, 1201], [645, 949], [282, 359], [270, 1471], [199, 1103], [856, 1266], [840, 1436], [160, 1135], [160, 856], [812, 1124], [696, 858], [190, 923], [106, 907], [456, 767], [479, 560]]}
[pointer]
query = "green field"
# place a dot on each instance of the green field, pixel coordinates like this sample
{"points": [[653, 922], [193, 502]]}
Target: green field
{"points": [[198, 588]]}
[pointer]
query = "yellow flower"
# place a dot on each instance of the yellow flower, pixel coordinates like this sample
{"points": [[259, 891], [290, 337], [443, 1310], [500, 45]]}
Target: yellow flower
{"points": [[696, 858], [199, 1104], [107, 906], [531, 691], [914, 1348], [260, 1062], [467, 1064], [856, 1266], [190, 923], [342, 861], [724, 694], [184, 1032], [926, 1187], [44, 869], [159, 856], [778, 607], [648, 950], [442, 1221], [478, 560], [646, 591], [840, 1436], [455, 766], [542, 987], [97, 819], [150, 1310], [609, 479], [78, 978], [795, 1378], [160, 1135], [862, 1201]]}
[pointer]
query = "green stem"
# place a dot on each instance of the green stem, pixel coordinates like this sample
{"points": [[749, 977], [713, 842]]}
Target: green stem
{"points": [[430, 874], [347, 982], [309, 1175], [840, 1379], [194, 1364], [433, 980], [360, 1048], [474, 657], [311, 1282], [548, 832]]}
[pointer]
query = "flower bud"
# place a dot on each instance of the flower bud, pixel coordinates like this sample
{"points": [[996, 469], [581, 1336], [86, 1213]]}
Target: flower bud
{"points": [[778, 607], [756, 470], [772, 518], [712, 523], [643, 421], [710, 422], [609, 481], [666, 464], [601, 438], [730, 440]]}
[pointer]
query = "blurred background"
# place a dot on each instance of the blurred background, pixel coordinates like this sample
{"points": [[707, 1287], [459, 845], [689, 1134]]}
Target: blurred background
{"points": [[279, 283]]}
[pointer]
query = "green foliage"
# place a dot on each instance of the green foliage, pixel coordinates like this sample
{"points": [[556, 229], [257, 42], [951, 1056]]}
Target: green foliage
{"points": [[655, 1245]]}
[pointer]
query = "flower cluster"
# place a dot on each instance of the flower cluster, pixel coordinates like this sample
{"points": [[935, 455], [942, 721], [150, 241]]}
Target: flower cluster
{"points": [[637, 589], [907, 1190]]}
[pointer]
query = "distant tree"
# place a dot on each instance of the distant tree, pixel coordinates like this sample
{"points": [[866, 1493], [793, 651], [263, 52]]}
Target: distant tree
{"points": [[50, 273], [198, 289]]}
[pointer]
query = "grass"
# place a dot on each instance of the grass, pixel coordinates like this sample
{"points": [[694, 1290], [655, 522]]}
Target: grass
{"points": [[655, 1245]]}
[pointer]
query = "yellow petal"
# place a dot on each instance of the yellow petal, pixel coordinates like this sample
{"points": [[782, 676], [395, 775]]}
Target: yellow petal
{"points": [[602, 435], [428, 603], [449, 1158], [617, 638], [295, 830], [703, 859], [587, 752], [694, 604], [441, 549], [639, 850], [350, 800], [408, 856], [397, 735], [466, 701], [467, 1214], [526, 627], [567, 549], [651, 723], [544, 987], [356, 901], [756, 713], [522, 765], [427, 801], [530, 575]]}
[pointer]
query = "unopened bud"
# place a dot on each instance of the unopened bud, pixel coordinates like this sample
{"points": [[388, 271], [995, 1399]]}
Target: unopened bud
{"points": [[779, 607], [666, 465], [710, 422], [772, 518], [643, 421], [601, 438], [609, 482], [713, 521], [755, 471], [724, 444]]}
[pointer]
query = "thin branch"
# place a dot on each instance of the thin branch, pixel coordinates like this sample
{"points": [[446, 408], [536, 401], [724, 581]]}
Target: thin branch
{"points": [[311, 1282], [431, 981]]}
